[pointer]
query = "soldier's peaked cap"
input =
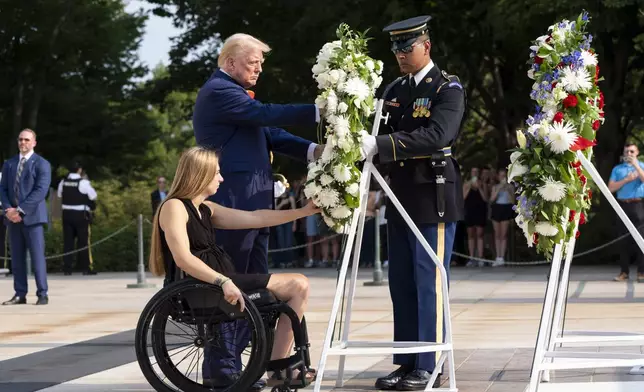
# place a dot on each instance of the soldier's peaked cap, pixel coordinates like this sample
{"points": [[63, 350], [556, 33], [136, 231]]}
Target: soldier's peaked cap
{"points": [[405, 32]]}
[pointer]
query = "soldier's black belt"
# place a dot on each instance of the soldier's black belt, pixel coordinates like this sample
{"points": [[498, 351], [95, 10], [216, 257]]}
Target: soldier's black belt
{"points": [[438, 164]]}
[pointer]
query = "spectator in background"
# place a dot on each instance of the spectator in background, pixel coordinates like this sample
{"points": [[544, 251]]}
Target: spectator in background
{"points": [[627, 181], [24, 186], [475, 194], [159, 194], [502, 199]]}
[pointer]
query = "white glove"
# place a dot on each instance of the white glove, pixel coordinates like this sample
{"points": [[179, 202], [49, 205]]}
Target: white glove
{"points": [[368, 147]]}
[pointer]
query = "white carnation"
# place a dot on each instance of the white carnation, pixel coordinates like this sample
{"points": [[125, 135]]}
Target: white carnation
{"points": [[323, 80], [342, 173], [342, 107], [328, 51], [328, 197], [341, 126], [331, 102], [311, 190], [318, 69], [588, 58], [341, 212], [370, 65], [334, 77], [574, 80], [353, 189], [314, 170], [320, 101], [531, 73], [559, 94], [562, 136], [326, 179], [552, 190], [357, 88], [329, 221], [546, 229]]}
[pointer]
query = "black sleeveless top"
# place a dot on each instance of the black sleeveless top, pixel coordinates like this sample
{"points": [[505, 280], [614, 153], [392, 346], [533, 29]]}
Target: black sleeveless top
{"points": [[202, 244]]}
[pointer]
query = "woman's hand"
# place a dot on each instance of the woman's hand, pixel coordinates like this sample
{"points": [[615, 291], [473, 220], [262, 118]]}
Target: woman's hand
{"points": [[310, 208], [232, 295]]}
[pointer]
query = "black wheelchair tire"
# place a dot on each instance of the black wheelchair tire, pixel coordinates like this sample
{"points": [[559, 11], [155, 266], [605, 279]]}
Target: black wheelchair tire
{"points": [[259, 352]]}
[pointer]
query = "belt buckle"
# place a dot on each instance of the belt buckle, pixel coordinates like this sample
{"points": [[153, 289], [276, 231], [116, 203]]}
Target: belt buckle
{"points": [[440, 179]]}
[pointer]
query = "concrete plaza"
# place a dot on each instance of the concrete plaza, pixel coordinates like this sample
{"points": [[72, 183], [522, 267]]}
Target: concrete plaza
{"points": [[82, 341]]}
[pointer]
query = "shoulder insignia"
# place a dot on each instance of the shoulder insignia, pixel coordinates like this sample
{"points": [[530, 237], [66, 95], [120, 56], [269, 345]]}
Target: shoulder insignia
{"points": [[451, 81]]}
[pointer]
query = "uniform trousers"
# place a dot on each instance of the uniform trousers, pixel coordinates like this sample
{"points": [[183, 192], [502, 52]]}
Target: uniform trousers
{"points": [[635, 212], [415, 287], [75, 236], [248, 250]]}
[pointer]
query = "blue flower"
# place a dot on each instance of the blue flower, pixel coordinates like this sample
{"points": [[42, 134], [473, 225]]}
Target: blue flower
{"points": [[584, 16], [537, 108], [536, 66], [555, 74]]}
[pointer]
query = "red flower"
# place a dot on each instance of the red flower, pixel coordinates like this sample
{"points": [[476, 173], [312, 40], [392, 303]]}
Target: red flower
{"points": [[554, 84], [558, 117], [572, 216], [535, 238], [583, 180], [577, 234], [570, 101], [579, 172], [596, 124], [561, 65], [601, 114], [601, 100], [596, 73], [590, 193], [582, 219], [538, 60], [575, 164], [582, 144]]}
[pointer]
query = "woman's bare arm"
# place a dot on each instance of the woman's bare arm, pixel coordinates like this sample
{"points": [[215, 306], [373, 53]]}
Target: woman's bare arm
{"points": [[232, 219]]}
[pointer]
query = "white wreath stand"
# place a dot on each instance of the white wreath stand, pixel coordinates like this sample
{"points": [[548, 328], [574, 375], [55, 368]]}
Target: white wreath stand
{"points": [[546, 358], [369, 348]]}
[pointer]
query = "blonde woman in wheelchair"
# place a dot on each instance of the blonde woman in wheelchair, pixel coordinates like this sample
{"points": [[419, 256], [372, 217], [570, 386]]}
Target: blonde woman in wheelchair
{"points": [[183, 244]]}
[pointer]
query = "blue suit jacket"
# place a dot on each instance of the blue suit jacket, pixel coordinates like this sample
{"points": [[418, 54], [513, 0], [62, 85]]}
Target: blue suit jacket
{"points": [[243, 129], [34, 185]]}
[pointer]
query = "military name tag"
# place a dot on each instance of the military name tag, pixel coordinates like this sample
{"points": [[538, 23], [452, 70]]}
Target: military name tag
{"points": [[421, 107], [392, 103]]}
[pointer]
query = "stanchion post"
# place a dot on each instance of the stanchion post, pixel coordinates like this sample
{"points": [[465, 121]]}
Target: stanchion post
{"points": [[377, 265], [140, 276]]}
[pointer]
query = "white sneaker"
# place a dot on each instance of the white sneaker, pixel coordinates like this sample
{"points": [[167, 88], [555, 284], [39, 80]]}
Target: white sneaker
{"points": [[308, 264], [499, 262]]}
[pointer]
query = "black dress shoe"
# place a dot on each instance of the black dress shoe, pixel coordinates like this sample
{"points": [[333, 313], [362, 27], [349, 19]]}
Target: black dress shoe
{"points": [[417, 381], [391, 380], [16, 301], [221, 382], [44, 300]]}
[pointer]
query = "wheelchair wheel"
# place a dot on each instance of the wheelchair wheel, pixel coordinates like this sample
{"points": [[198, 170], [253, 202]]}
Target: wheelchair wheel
{"points": [[188, 324]]}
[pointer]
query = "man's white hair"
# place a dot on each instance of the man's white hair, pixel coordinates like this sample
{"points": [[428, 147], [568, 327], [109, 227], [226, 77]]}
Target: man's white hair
{"points": [[239, 43]]}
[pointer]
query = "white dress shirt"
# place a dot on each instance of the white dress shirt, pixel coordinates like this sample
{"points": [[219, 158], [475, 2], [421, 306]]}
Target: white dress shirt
{"points": [[421, 74]]}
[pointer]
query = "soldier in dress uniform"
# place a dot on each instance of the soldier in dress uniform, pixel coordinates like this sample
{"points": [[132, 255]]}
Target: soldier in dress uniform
{"points": [[426, 108], [78, 203]]}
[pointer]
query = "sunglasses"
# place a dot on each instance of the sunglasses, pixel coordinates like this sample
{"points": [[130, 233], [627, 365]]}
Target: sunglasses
{"points": [[408, 49]]}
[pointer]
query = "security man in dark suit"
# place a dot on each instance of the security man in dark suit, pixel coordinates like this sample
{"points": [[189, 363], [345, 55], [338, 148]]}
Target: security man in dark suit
{"points": [[426, 108], [78, 203]]}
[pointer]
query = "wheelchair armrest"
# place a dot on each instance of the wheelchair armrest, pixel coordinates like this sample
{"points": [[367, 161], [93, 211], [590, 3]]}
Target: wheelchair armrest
{"points": [[262, 297]]}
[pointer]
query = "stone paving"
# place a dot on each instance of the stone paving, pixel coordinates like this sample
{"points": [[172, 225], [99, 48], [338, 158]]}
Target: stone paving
{"points": [[495, 316]]}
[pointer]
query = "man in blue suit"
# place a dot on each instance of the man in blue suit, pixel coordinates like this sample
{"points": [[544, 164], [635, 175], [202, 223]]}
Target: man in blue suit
{"points": [[25, 182], [245, 132]]}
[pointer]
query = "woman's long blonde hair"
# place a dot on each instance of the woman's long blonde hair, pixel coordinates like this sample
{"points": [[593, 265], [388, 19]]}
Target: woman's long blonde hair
{"points": [[196, 169]]}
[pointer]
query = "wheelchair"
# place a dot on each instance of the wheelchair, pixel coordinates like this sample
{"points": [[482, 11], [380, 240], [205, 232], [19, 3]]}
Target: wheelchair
{"points": [[187, 319]]}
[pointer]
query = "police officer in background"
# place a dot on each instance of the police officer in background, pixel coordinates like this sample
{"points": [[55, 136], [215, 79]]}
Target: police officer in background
{"points": [[78, 203], [426, 108]]}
